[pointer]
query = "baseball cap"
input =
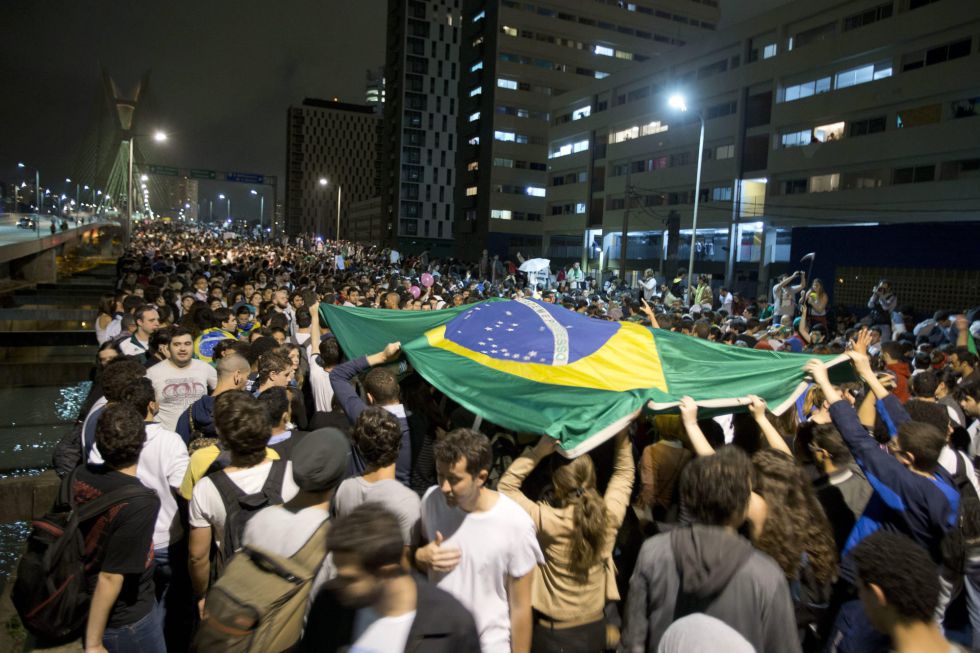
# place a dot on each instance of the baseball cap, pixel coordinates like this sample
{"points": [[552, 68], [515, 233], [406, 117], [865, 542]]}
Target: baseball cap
{"points": [[320, 460]]}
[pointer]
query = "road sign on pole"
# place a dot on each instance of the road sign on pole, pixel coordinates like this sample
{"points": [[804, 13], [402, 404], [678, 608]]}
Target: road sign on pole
{"points": [[203, 174], [168, 171], [245, 177]]}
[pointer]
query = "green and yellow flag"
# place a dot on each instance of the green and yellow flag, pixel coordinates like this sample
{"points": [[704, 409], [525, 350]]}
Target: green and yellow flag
{"points": [[540, 368]]}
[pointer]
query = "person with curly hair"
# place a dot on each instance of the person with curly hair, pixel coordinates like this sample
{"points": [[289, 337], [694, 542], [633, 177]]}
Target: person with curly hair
{"points": [[576, 532], [377, 438]]}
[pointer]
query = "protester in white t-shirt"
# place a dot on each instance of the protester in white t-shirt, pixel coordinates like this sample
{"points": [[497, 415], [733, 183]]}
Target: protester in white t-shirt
{"points": [[323, 355], [482, 545], [243, 428], [181, 380]]}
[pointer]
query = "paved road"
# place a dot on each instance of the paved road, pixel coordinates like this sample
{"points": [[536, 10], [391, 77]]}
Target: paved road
{"points": [[10, 233]]}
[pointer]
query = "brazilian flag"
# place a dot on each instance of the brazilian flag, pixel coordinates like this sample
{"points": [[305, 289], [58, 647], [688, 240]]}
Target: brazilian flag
{"points": [[540, 368]]}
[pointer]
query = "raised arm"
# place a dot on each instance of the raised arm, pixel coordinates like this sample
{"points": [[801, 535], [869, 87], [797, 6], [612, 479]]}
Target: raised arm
{"points": [[617, 496], [689, 417], [512, 479], [757, 408], [342, 377], [962, 331], [649, 313]]}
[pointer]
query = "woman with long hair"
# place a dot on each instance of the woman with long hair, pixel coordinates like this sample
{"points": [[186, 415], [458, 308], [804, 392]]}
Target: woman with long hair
{"points": [[816, 301], [795, 532], [577, 531], [106, 325]]}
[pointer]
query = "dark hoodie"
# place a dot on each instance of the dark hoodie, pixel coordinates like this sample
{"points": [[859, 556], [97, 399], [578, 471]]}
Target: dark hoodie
{"points": [[202, 412], [714, 571]]}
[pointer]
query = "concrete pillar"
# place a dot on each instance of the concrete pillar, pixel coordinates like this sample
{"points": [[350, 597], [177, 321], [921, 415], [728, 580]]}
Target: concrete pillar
{"points": [[766, 254], [41, 267]]}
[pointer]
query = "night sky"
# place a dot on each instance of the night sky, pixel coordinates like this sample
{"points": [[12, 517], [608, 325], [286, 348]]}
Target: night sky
{"points": [[223, 73]]}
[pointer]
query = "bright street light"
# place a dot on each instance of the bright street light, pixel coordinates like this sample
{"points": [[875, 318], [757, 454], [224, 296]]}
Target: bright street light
{"points": [[677, 102], [159, 136], [221, 196], [254, 192], [144, 178], [323, 181], [67, 180]]}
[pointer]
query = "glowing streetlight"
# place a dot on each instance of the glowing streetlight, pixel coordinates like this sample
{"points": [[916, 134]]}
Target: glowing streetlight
{"points": [[159, 136], [323, 181]]}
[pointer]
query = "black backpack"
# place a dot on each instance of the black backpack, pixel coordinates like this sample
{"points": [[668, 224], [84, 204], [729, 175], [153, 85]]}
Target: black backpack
{"points": [[241, 507], [51, 592], [962, 541]]}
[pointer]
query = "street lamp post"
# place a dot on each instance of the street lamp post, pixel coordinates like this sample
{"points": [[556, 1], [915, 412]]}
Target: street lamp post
{"points": [[159, 137], [37, 197], [261, 210], [340, 190], [221, 196], [678, 103]]}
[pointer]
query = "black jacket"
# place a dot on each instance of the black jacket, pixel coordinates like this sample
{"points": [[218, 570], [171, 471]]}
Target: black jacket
{"points": [[442, 624]]}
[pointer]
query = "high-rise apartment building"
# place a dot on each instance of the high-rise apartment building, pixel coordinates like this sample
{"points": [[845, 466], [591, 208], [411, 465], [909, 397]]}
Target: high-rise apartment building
{"points": [[419, 131], [331, 157], [515, 57], [817, 113], [374, 88]]}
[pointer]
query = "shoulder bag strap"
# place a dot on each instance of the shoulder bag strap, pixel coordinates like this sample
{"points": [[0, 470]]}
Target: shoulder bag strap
{"points": [[96, 507], [272, 488]]}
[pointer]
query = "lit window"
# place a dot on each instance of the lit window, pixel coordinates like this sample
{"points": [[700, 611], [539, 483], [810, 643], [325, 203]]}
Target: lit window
{"points": [[797, 138], [470, 191], [473, 166], [580, 146], [824, 183], [535, 191], [504, 136], [584, 112], [725, 152], [769, 51], [563, 150], [654, 127], [507, 83], [831, 132], [477, 66], [476, 90], [503, 163], [624, 55], [580, 207], [480, 16], [604, 51], [474, 116], [625, 134], [601, 75], [474, 141], [509, 31], [500, 214]]}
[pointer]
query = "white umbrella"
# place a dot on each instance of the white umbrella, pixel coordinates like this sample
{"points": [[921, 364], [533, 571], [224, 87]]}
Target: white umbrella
{"points": [[535, 265]]}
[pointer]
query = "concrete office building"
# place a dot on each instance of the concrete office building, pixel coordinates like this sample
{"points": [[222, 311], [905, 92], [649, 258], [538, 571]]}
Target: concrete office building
{"points": [[516, 58], [332, 141], [366, 221], [821, 112], [419, 131]]}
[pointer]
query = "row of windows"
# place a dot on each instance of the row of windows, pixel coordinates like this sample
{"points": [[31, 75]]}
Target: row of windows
{"points": [[845, 78], [521, 139], [650, 11], [638, 166], [569, 178], [829, 182], [502, 162], [574, 115], [568, 148], [516, 189], [636, 131], [507, 214], [551, 65], [567, 209], [583, 20], [565, 42], [519, 112], [514, 85]]}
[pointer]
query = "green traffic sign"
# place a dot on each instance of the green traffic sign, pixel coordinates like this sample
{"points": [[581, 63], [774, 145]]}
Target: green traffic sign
{"points": [[164, 170], [203, 174]]}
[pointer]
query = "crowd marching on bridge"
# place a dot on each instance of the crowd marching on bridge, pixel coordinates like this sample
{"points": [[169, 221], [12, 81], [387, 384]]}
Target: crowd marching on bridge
{"points": [[235, 483]]}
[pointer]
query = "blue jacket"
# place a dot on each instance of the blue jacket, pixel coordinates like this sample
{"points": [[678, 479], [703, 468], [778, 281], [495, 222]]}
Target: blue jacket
{"points": [[341, 378], [920, 508], [203, 412]]}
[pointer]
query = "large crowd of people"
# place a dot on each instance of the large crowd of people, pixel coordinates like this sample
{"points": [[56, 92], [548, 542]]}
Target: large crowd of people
{"points": [[250, 489]]}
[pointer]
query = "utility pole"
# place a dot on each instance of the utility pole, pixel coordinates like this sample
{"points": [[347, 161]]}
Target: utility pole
{"points": [[624, 241]]}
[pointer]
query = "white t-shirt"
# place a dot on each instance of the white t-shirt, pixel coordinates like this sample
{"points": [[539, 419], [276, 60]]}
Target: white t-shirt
{"points": [[947, 459], [162, 464], [130, 348], [381, 634], [494, 544], [176, 388], [319, 382], [207, 508]]}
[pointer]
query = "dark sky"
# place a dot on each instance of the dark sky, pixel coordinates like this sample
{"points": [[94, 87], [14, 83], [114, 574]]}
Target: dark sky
{"points": [[222, 73]]}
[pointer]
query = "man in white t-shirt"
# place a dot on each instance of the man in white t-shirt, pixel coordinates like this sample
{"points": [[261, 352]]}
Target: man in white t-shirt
{"points": [[378, 437], [243, 429], [323, 355], [482, 545], [181, 380]]}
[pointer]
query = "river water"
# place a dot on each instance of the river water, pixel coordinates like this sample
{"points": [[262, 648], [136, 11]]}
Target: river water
{"points": [[32, 421]]}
